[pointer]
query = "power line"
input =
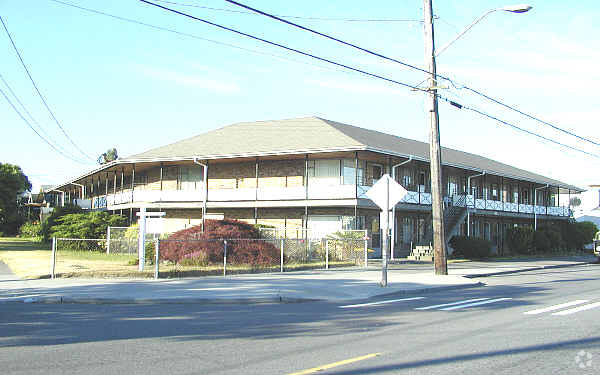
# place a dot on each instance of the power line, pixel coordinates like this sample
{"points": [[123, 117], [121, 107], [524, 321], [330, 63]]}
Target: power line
{"points": [[371, 75], [160, 28], [459, 106], [297, 17], [39, 93], [36, 132], [531, 116], [326, 36], [25, 109], [380, 55], [285, 47]]}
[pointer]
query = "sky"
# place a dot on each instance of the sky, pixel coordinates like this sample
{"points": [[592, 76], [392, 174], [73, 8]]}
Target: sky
{"points": [[113, 83]]}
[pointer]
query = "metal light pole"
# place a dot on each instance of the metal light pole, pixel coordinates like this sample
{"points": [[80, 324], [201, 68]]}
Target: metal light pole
{"points": [[435, 154]]}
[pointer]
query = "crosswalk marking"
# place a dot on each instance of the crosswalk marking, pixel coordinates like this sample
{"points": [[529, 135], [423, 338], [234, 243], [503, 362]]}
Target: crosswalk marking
{"points": [[556, 307], [578, 309], [451, 304], [475, 304], [382, 302]]}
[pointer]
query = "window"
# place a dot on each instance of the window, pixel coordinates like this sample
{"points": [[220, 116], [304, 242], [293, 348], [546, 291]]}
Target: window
{"points": [[474, 190], [421, 177], [525, 196], [324, 171], [494, 188], [376, 172], [515, 193], [190, 178], [407, 178], [348, 171], [452, 185]]}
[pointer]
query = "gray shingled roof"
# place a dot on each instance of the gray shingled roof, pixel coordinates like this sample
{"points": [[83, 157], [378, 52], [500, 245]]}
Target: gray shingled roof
{"points": [[313, 134]]}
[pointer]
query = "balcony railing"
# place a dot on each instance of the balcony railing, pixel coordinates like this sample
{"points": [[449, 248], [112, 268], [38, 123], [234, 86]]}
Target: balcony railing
{"points": [[300, 193]]}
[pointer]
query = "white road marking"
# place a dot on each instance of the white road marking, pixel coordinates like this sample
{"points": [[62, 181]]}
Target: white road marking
{"points": [[381, 302], [450, 304], [578, 309], [556, 307], [475, 304]]}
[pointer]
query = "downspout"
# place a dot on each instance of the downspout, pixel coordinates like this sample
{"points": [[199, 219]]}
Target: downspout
{"points": [[394, 208], [205, 177], [535, 204], [466, 206]]}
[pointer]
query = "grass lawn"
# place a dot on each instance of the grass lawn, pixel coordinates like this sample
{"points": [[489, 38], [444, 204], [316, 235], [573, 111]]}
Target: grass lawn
{"points": [[33, 260]]}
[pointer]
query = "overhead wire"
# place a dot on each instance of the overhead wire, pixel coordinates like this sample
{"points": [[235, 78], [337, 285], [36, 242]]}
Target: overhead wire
{"points": [[468, 108], [36, 132], [39, 93], [453, 103], [284, 46], [380, 55], [193, 36], [296, 17]]}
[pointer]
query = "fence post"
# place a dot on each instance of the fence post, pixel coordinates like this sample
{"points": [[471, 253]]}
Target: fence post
{"points": [[366, 254], [108, 240], [326, 254], [53, 257], [224, 257], [156, 257], [281, 257]]}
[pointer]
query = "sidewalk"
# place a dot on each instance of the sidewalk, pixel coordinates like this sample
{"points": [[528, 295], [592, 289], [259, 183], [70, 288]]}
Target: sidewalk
{"points": [[333, 285]]}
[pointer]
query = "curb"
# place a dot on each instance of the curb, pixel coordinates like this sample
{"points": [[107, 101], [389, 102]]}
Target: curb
{"points": [[539, 268], [155, 301], [428, 290]]}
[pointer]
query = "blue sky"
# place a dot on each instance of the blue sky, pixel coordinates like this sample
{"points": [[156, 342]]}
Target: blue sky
{"points": [[117, 84]]}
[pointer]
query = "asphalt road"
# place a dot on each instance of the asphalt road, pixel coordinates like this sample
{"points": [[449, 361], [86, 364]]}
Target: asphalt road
{"points": [[541, 322]]}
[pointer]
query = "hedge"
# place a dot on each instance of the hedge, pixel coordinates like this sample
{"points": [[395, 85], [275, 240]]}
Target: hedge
{"points": [[470, 247]]}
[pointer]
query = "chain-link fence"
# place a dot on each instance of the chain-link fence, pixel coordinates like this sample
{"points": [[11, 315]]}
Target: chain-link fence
{"points": [[198, 257], [124, 240], [73, 257]]}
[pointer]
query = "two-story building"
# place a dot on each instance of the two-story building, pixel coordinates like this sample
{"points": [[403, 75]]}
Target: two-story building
{"points": [[313, 173]]}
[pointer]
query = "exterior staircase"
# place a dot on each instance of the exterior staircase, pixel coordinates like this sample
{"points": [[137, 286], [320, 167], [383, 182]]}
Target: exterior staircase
{"points": [[454, 214]]}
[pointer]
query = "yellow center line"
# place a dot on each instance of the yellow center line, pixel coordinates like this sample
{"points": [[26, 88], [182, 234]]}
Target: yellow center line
{"points": [[335, 364]]}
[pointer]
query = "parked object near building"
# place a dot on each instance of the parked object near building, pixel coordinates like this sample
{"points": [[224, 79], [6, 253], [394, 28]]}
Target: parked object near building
{"points": [[312, 174]]}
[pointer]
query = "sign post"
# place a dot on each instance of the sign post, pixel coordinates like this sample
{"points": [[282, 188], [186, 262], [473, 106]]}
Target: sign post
{"points": [[142, 235], [385, 193]]}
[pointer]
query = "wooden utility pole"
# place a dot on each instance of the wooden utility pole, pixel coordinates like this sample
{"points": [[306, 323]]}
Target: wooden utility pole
{"points": [[439, 241]]}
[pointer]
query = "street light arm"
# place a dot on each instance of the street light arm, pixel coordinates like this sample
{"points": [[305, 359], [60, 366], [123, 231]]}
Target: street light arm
{"points": [[520, 8], [465, 31]]}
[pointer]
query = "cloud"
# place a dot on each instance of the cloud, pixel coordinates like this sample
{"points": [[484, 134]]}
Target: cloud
{"points": [[221, 86]]}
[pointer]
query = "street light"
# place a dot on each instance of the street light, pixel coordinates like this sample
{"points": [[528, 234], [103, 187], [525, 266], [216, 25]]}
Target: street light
{"points": [[520, 8], [435, 153]]}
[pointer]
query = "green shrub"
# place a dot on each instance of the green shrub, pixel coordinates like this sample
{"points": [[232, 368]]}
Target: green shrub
{"points": [[520, 240], [58, 212], [31, 230], [470, 247], [576, 235], [85, 225], [548, 239]]}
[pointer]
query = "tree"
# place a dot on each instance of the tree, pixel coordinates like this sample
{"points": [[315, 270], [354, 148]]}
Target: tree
{"points": [[12, 183], [108, 156], [575, 201]]}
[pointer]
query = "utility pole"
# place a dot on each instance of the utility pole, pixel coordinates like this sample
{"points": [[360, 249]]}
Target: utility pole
{"points": [[435, 154]]}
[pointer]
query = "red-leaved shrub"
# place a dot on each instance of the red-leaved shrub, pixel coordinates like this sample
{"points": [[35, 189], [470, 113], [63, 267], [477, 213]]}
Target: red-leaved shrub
{"points": [[243, 245]]}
